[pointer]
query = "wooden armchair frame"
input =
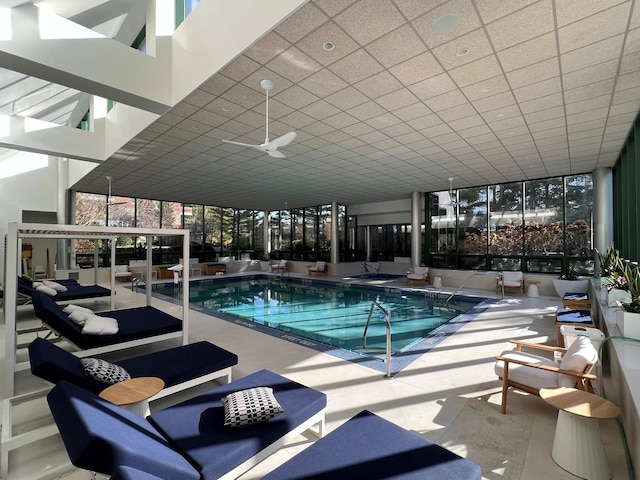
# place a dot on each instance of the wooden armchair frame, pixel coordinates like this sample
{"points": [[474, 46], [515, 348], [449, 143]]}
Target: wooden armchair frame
{"points": [[583, 379], [500, 283]]}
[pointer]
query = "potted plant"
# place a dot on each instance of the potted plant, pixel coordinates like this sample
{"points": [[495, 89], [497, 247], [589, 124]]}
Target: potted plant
{"points": [[629, 320], [569, 282], [265, 263], [614, 278]]}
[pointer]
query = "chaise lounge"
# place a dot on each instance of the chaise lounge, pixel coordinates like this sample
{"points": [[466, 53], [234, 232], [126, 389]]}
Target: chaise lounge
{"points": [[176, 367], [74, 290], [368, 446], [185, 441], [140, 325]]}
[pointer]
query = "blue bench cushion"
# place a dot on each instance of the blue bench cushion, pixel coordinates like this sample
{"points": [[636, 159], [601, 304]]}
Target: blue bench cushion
{"points": [[100, 436], [573, 316], [196, 426], [174, 366], [133, 323], [368, 446]]}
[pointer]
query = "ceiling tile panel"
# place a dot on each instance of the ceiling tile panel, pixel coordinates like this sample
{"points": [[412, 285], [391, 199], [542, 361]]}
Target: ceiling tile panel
{"points": [[594, 28], [523, 25], [592, 54], [528, 53], [368, 20], [416, 69], [397, 46]]}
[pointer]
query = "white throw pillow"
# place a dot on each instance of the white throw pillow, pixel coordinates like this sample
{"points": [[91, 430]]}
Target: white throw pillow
{"points": [[55, 285], [580, 354], [36, 284], [79, 317], [47, 290], [72, 308], [250, 406], [96, 325]]}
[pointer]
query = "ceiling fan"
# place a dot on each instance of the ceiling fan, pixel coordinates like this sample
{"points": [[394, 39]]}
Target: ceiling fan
{"points": [[111, 203], [270, 147]]}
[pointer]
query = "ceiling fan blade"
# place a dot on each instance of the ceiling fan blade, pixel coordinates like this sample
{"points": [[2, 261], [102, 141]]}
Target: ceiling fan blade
{"points": [[282, 141], [275, 153]]}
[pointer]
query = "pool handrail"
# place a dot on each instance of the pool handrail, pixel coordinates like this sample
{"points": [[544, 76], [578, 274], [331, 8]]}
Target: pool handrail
{"points": [[376, 304]]}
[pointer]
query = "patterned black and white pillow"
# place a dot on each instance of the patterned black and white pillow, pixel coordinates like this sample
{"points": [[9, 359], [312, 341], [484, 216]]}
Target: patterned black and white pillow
{"points": [[103, 371], [250, 406]]}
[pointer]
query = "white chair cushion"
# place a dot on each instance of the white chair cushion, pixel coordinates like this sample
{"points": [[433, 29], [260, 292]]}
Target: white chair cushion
{"points": [[415, 276], [512, 277], [509, 283], [532, 377], [580, 354], [421, 270]]}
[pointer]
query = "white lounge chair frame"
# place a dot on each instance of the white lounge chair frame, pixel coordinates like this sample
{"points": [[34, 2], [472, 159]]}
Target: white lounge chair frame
{"points": [[19, 231]]}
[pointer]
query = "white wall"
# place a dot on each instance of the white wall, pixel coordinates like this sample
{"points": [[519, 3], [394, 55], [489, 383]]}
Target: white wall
{"points": [[36, 190]]}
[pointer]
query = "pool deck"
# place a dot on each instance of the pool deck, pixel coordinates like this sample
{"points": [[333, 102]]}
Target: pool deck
{"points": [[450, 395]]}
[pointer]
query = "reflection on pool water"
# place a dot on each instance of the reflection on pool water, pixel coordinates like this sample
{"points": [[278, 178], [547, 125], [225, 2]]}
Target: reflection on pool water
{"points": [[334, 314]]}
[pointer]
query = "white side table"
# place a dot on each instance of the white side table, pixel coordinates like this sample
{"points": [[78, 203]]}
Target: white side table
{"points": [[437, 281], [577, 445], [532, 289]]}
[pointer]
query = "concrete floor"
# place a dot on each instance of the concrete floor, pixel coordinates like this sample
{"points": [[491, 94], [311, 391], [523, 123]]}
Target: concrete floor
{"points": [[450, 395]]}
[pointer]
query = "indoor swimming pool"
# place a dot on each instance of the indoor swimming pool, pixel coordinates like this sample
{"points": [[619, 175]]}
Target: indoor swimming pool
{"points": [[334, 314]]}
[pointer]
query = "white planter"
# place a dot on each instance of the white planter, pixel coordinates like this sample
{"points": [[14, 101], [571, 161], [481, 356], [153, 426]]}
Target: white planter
{"points": [[572, 286], [615, 295], [628, 324], [264, 265]]}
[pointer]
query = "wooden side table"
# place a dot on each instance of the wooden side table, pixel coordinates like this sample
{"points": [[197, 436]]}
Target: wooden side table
{"points": [[577, 445], [134, 394]]}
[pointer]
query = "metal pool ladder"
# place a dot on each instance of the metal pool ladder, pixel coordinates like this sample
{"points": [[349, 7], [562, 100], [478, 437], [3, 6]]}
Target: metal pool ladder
{"points": [[375, 304]]}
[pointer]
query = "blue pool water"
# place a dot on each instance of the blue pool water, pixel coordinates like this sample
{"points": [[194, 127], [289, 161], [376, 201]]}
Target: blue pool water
{"points": [[334, 314]]}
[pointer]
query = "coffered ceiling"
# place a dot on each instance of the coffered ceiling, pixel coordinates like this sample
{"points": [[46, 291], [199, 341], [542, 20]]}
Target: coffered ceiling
{"points": [[413, 92]]}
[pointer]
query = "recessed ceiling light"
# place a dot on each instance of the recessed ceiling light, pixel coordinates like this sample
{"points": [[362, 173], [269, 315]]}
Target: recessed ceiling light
{"points": [[485, 89], [328, 46], [462, 52], [445, 24], [225, 109]]}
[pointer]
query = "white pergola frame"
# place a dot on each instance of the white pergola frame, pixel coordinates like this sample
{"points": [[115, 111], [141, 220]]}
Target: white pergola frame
{"points": [[19, 231]]}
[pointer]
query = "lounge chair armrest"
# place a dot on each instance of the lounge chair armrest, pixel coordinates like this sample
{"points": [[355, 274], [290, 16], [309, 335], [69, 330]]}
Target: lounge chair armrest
{"points": [[548, 368], [549, 348]]}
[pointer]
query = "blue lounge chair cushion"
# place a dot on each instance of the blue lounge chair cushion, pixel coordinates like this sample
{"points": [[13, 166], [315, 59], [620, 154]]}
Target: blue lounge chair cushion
{"points": [[197, 431], [128, 473], [100, 436], [174, 365], [367, 446], [133, 323], [75, 291]]}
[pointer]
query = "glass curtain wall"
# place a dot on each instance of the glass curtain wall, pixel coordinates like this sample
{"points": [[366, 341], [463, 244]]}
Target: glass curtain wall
{"points": [[537, 226]]}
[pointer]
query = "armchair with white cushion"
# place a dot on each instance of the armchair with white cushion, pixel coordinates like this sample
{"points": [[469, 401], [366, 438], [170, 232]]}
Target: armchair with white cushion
{"points": [[320, 268], [528, 372], [122, 273], [419, 275], [280, 267], [510, 280]]}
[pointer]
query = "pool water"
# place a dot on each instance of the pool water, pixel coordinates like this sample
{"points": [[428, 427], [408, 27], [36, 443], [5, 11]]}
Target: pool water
{"points": [[334, 314]]}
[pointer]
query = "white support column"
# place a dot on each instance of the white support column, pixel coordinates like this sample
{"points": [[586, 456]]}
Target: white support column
{"points": [[335, 253], [266, 227], [416, 233], [602, 211], [10, 305]]}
